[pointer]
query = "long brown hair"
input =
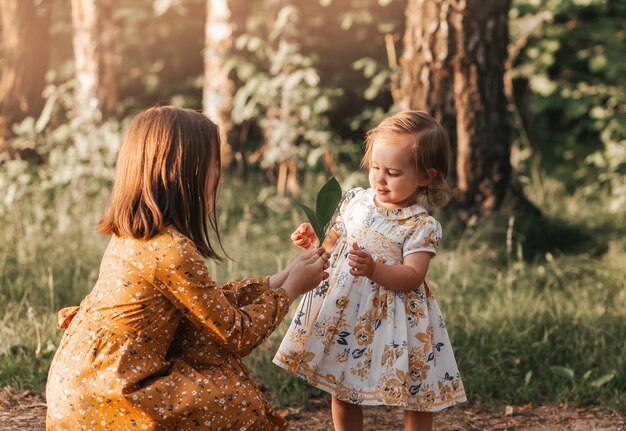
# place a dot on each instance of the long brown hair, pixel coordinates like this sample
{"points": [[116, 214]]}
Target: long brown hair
{"points": [[429, 149], [168, 173]]}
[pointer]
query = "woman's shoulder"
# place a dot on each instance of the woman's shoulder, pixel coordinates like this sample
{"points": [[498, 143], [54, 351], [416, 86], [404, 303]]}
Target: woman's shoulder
{"points": [[168, 237]]}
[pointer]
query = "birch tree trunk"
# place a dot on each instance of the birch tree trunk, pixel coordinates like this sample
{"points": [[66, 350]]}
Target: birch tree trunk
{"points": [[453, 67], [25, 44], [217, 95], [96, 89]]}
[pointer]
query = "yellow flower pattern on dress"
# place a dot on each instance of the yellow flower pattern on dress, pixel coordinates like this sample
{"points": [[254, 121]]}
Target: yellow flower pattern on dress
{"points": [[366, 344], [157, 345]]}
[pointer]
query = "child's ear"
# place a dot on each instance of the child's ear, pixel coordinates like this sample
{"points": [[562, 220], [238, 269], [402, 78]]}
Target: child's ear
{"points": [[429, 176]]}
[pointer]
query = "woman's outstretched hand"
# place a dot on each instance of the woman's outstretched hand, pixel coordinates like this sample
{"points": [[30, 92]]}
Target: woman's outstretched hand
{"points": [[306, 272]]}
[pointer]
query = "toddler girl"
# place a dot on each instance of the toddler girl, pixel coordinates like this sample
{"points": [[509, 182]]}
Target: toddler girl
{"points": [[373, 333]]}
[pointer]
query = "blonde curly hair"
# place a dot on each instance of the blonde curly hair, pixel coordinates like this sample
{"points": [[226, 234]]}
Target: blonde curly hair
{"points": [[430, 149]]}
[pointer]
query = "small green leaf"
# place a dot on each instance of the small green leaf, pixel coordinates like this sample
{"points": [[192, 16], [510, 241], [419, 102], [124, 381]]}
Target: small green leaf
{"points": [[563, 371], [328, 198], [312, 218], [603, 380]]}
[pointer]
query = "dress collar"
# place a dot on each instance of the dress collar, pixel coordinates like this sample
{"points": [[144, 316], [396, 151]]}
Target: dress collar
{"points": [[393, 214]]}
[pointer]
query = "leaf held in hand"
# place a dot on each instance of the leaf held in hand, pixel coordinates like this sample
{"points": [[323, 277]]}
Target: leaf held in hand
{"points": [[328, 199], [310, 214]]}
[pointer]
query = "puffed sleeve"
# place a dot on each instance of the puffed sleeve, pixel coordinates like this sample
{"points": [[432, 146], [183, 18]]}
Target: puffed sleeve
{"points": [[183, 278], [424, 237]]}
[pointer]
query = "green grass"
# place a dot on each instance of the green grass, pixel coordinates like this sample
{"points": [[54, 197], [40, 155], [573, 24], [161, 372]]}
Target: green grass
{"points": [[546, 326]]}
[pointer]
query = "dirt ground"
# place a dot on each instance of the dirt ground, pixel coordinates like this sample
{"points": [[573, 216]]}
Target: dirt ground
{"points": [[27, 411]]}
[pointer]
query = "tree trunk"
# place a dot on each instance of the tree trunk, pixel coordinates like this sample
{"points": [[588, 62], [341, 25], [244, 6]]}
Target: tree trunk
{"points": [[96, 89], [453, 66], [25, 44], [217, 96]]}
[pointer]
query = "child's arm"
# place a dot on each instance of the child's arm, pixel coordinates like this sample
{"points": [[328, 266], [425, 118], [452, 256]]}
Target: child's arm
{"points": [[407, 276], [304, 237]]}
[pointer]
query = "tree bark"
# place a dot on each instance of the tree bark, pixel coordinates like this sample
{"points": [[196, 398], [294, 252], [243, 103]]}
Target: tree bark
{"points": [[25, 43], [453, 67], [217, 95], [96, 88]]}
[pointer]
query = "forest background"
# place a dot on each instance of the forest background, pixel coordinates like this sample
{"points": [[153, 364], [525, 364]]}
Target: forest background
{"points": [[531, 276]]}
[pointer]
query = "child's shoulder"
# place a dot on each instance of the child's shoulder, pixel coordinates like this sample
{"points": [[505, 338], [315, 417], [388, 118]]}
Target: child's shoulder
{"points": [[423, 223], [352, 193]]}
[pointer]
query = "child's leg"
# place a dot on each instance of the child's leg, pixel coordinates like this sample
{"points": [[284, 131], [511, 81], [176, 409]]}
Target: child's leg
{"points": [[346, 416], [418, 421]]}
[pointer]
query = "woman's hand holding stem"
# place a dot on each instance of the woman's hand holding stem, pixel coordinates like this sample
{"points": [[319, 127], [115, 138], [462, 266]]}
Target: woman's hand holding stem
{"points": [[302, 274]]}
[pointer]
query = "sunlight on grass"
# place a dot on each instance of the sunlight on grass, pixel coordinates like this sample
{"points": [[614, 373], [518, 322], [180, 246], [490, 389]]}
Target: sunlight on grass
{"points": [[524, 329]]}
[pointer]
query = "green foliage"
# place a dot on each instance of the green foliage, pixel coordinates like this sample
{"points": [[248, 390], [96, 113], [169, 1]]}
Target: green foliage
{"points": [[281, 90], [572, 73], [326, 204], [71, 171]]}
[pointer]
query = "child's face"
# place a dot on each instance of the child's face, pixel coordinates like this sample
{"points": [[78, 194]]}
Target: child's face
{"points": [[393, 175]]}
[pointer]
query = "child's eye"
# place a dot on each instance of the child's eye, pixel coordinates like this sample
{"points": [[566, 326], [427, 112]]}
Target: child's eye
{"points": [[393, 174], [375, 167]]}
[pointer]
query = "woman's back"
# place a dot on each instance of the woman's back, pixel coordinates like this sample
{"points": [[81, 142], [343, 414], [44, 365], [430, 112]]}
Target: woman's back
{"points": [[126, 360]]}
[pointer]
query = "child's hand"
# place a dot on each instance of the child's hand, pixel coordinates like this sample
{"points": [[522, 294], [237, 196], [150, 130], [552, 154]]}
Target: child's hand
{"points": [[361, 263], [304, 237]]}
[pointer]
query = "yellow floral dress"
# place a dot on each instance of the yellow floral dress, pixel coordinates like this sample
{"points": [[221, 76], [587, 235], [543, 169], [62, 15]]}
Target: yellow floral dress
{"points": [[157, 345], [363, 343]]}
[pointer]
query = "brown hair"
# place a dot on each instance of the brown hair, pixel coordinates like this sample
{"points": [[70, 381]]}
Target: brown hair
{"points": [[163, 174], [430, 149]]}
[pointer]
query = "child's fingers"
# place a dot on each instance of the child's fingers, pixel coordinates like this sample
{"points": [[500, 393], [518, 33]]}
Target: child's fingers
{"points": [[354, 258], [356, 265], [355, 271]]}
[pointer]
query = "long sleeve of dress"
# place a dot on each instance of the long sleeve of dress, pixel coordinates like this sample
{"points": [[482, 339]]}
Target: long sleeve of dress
{"points": [[246, 291], [184, 279]]}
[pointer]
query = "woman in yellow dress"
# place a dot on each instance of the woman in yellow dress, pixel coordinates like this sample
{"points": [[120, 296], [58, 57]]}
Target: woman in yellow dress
{"points": [[157, 344]]}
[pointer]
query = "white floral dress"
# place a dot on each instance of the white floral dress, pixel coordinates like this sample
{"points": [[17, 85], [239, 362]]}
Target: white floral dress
{"points": [[366, 344]]}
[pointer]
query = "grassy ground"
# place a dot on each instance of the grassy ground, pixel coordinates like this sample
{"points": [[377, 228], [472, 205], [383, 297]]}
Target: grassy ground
{"points": [[527, 325]]}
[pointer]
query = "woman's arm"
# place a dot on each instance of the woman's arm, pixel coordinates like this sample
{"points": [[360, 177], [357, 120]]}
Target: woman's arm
{"points": [[407, 276], [183, 278]]}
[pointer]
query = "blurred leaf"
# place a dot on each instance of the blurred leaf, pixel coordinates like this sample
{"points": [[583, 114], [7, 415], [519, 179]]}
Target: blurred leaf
{"points": [[563, 371], [528, 377], [603, 380]]}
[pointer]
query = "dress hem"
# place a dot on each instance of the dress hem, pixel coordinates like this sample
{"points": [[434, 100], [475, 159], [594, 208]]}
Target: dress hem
{"points": [[316, 382]]}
